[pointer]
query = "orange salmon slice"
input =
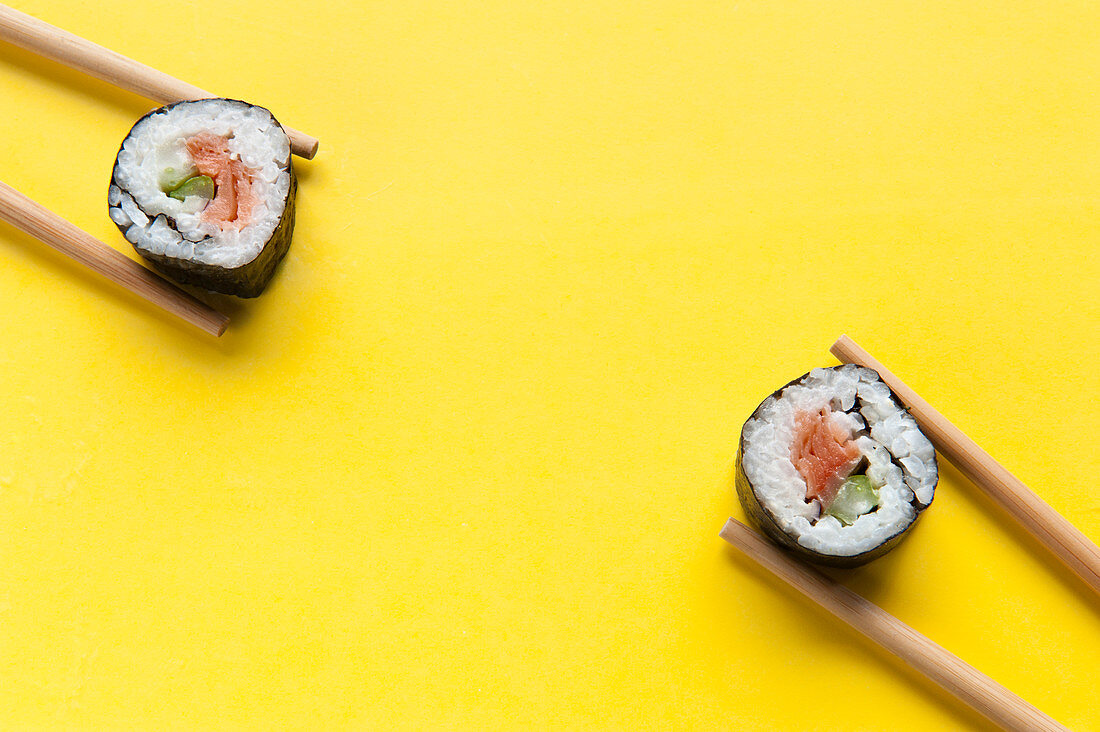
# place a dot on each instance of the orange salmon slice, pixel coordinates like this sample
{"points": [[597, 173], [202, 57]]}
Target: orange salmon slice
{"points": [[823, 454], [233, 196]]}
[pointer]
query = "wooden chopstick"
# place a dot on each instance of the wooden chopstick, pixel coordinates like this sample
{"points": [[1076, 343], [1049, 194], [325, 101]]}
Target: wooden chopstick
{"points": [[949, 671], [59, 45], [1044, 523], [43, 224]]}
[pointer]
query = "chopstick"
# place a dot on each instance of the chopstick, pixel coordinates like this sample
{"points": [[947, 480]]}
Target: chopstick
{"points": [[43, 224], [949, 671], [59, 45], [1042, 521]]}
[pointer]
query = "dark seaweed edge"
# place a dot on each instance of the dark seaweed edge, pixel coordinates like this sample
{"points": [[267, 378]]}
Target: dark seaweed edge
{"points": [[249, 279], [763, 518]]}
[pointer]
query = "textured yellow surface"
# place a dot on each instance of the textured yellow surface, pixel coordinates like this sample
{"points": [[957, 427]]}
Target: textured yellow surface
{"points": [[464, 464]]}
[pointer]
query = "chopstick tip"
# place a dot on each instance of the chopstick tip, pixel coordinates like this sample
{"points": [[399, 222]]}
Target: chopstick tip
{"points": [[841, 348]]}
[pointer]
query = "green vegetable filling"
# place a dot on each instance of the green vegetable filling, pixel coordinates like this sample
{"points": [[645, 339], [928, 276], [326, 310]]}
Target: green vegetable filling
{"points": [[172, 178], [199, 185], [856, 497]]}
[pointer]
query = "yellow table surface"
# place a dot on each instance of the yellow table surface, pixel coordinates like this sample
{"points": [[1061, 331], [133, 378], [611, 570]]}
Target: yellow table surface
{"points": [[464, 464]]}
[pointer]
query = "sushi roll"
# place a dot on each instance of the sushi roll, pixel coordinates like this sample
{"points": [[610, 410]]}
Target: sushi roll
{"points": [[834, 468], [205, 191]]}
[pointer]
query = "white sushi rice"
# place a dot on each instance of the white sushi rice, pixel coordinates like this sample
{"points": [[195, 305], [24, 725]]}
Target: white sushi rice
{"points": [[893, 436], [160, 224]]}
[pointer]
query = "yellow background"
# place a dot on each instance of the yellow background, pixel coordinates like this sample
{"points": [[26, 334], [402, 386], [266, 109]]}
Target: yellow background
{"points": [[464, 464]]}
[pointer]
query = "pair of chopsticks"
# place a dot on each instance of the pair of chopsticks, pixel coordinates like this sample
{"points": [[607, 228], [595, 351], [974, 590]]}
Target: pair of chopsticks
{"points": [[54, 43], [979, 691]]}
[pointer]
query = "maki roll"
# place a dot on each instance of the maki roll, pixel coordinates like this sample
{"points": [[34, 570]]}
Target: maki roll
{"points": [[834, 468], [205, 191]]}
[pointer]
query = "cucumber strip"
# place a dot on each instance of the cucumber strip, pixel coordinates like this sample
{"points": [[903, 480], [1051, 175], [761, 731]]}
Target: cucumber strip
{"points": [[172, 178], [856, 497], [199, 185]]}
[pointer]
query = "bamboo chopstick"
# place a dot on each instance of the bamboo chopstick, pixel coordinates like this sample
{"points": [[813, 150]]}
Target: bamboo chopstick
{"points": [[949, 671], [54, 43], [43, 224], [1044, 523]]}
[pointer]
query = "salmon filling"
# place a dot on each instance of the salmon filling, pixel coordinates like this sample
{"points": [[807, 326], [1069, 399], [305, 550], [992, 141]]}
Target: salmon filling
{"points": [[823, 454], [233, 197]]}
